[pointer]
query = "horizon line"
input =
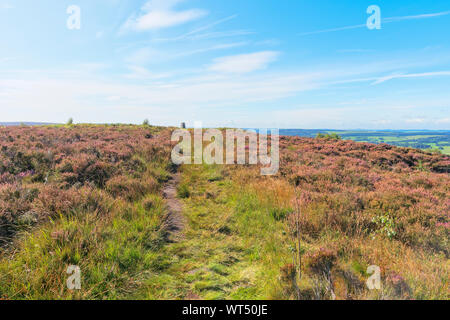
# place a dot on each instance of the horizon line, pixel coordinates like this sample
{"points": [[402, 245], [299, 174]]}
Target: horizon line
{"points": [[39, 123]]}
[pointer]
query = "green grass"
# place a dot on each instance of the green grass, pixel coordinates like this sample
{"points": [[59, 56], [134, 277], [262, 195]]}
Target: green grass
{"points": [[114, 254], [231, 247]]}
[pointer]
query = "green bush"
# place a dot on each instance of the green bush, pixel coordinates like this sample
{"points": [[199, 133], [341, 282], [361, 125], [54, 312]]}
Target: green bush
{"points": [[329, 136]]}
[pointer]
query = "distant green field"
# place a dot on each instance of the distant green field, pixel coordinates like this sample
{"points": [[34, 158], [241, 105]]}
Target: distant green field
{"points": [[427, 140]]}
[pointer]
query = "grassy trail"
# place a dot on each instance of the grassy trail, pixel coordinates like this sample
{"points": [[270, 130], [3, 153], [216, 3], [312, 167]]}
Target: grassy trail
{"points": [[225, 250]]}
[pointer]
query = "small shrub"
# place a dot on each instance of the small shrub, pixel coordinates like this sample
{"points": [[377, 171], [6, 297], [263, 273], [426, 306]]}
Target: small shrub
{"points": [[329, 136], [385, 225]]}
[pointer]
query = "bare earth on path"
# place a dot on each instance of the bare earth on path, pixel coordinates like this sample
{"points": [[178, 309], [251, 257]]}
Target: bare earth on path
{"points": [[174, 220]]}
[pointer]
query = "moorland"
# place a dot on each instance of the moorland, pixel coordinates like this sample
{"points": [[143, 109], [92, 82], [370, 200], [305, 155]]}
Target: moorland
{"points": [[96, 196]]}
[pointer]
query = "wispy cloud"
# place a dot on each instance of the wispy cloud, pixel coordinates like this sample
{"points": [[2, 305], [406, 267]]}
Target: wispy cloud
{"points": [[204, 32], [158, 14], [147, 55], [213, 48], [140, 73], [143, 56], [333, 30], [354, 50], [208, 35], [203, 95], [416, 120], [207, 27], [419, 16], [221, 34], [443, 120], [113, 99], [6, 6], [412, 75], [244, 63], [385, 20], [2, 60]]}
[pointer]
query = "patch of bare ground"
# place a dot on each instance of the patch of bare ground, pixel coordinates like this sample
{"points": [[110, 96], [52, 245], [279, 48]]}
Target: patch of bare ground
{"points": [[174, 220]]}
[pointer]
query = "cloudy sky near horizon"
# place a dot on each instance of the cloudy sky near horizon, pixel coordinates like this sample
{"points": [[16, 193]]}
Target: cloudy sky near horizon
{"points": [[286, 64]]}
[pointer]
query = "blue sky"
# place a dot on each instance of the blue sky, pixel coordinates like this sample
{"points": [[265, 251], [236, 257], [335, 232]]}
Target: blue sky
{"points": [[254, 63]]}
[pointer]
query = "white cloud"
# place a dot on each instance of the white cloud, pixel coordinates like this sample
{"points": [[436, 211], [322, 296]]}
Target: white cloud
{"points": [[412, 75], [90, 98], [2, 60], [385, 20], [209, 35], [443, 120], [45, 95], [140, 73], [203, 33], [6, 6], [416, 120], [354, 50], [143, 56], [382, 122], [244, 63], [207, 27], [333, 29], [419, 16], [158, 14], [147, 55], [113, 98], [210, 48]]}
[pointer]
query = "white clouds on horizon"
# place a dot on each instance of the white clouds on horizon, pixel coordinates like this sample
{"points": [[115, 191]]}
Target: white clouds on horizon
{"points": [[232, 91], [343, 118], [43, 97], [100, 99]]}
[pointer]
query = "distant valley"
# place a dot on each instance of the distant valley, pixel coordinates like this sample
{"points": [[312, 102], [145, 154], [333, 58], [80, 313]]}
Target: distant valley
{"points": [[425, 139]]}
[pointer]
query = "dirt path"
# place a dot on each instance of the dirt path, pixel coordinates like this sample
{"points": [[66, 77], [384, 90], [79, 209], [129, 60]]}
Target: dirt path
{"points": [[175, 220]]}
